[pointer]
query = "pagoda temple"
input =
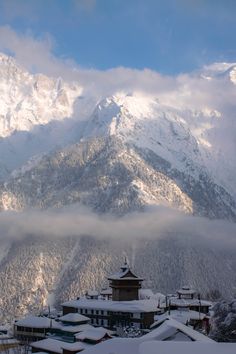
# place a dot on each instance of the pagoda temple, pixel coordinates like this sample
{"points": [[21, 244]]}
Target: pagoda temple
{"points": [[125, 284]]}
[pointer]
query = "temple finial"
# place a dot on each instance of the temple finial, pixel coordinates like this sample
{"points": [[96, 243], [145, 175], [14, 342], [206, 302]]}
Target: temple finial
{"points": [[125, 265]]}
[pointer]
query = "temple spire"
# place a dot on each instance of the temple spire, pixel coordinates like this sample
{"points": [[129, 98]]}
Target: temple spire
{"points": [[126, 265]]}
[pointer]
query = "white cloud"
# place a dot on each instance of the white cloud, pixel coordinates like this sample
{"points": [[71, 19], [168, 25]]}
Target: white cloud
{"points": [[153, 224], [35, 54]]}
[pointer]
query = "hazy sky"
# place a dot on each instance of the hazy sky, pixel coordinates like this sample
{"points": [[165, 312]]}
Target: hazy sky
{"points": [[170, 36]]}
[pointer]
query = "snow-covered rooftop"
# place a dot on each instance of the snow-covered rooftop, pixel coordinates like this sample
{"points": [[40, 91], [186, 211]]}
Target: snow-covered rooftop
{"points": [[148, 294], [57, 346], [76, 329], [74, 317], [147, 305], [182, 316], [92, 293], [107, 291], [84, 328], [154, 347], [94, 334], [140, 346], [168, 327], [115, 345], [186, 290], [37, 322], [125, 272], [174, 301]]}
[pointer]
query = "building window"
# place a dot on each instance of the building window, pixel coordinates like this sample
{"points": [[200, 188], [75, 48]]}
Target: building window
{"points": [[92, 312], [97, 312], [102, 312], [86, 311]]}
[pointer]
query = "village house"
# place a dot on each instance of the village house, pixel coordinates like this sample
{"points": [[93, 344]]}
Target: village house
{"points": [[186, 298], [33, 328]]}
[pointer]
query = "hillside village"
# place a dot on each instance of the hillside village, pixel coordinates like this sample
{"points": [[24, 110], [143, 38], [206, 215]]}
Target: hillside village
{"points": [[122, 318]]}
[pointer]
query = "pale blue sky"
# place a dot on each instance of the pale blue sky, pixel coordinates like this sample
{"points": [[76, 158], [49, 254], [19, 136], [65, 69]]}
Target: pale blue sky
{"points": [[169, 36]]}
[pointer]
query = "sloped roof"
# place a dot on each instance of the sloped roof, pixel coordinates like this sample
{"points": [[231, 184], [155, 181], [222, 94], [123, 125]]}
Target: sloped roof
{"points": [[57, 346], [168, 326], [37, 322], [107, 291], [74, 317], [93, 334], [174, 301], [154, 347], [124, 273], [135, 306], [76, 329], [180, 316], [186, 290], [140, 346]]}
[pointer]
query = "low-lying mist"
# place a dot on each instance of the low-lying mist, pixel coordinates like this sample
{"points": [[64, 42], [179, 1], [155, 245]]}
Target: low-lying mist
{"points": [[154, 223]]}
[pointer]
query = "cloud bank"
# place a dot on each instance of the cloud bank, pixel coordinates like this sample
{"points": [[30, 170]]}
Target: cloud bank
{"points": [[154, 224]]}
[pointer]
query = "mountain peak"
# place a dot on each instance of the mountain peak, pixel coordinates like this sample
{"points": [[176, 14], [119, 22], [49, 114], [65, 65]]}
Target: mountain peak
{"points": [[119, 112], [4, 58], [220, 71], [28, 100]]}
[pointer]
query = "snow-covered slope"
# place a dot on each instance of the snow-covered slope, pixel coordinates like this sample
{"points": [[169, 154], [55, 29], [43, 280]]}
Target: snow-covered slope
{"points": [[66, 268], [28, 100], [112, 176], [146, 123], [36, 114], [182, 137]]}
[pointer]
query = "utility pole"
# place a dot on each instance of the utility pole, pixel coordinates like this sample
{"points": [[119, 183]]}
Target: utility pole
{"points": [[199, 310]]}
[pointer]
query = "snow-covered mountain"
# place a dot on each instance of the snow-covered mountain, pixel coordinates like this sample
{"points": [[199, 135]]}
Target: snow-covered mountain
{"points": [[61, 145], [132, 152], [111, 176], [220, 70], [28, 100], [41, 114]]}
